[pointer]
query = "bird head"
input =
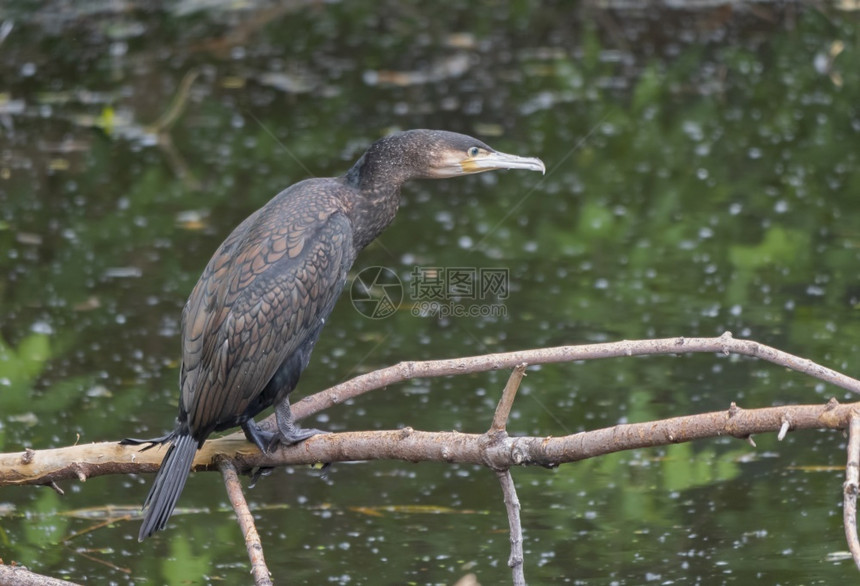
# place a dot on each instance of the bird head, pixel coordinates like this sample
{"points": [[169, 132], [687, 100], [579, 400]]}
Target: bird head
{"points": [[439, 154]]}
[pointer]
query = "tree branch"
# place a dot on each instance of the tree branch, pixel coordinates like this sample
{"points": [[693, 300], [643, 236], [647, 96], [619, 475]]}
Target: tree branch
{"points": [[86, 460], [259, 570], [498, 433], [21, 576], [503, 409], [725, 344], [512, 506], [852, 479]]}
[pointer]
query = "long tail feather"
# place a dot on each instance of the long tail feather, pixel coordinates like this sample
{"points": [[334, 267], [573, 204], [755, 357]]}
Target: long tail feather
{"points": [[168, 484]]}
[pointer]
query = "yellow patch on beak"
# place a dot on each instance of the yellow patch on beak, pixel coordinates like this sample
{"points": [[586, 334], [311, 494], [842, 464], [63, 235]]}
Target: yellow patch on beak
{"points": [[491, 161]]}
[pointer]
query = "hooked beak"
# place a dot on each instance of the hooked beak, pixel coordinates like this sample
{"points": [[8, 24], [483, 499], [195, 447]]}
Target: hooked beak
{"points": [[489, 161]]}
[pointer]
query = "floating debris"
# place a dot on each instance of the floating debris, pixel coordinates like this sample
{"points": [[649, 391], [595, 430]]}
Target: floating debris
{"points": [[291, 84], [454, 66], [123, 273]]}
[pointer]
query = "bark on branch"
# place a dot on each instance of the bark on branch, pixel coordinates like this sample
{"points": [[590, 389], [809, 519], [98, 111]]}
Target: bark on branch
{"points": [[87, 460]]}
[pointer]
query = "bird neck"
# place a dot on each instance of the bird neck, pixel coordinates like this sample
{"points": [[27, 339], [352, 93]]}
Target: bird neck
{"points": [[376, 197]]}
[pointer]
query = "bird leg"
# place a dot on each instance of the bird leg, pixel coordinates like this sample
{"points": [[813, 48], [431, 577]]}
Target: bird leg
{"points": [[289, 431]]}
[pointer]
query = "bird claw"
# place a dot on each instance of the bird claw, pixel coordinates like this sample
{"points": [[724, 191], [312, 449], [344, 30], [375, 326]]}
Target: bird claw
{"points": [[147, 443], [258, 473], [273, 444], [291, 438]]}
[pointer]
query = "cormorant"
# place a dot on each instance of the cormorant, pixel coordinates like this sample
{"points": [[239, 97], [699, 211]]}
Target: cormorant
{"points": [[253, 318]]}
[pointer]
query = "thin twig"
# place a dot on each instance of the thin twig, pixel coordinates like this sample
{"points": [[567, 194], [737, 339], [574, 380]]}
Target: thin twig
{"points": [[105, 523], [852, 479], [503, 409], [262, 576], [512, 505], [177, 106], [86, 555], [177, 162]]}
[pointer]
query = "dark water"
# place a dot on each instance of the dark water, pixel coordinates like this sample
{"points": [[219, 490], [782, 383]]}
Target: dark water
{"points": [[703, 176]]}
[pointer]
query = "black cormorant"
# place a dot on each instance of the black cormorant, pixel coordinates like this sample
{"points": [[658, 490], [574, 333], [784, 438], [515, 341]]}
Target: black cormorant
{"points": [[253, 318]]}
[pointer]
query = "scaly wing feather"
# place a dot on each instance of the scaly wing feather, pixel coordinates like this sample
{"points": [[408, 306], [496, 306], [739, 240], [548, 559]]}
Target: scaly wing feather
{"points": [[266, 290]]}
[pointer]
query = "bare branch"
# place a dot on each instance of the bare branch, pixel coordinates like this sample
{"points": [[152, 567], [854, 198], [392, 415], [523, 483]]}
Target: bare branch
{"points": [[725, 344], [49, 466], [46, 466], [259, 570], [503, 410], [512, 506], [852, 479], [21, 576]]}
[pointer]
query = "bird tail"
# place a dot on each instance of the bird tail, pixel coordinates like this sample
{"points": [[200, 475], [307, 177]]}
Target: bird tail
{"points": [[169, 483]]}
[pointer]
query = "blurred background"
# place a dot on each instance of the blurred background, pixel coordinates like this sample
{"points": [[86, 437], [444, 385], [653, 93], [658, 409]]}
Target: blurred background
{"points": [[702, 176]]}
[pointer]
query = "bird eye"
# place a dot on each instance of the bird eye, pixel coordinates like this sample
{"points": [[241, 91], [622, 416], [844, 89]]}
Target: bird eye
{"points": [[473, 151]]}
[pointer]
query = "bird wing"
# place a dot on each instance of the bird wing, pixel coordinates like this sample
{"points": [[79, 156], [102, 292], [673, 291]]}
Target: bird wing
{"points": [[267, 289]]}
